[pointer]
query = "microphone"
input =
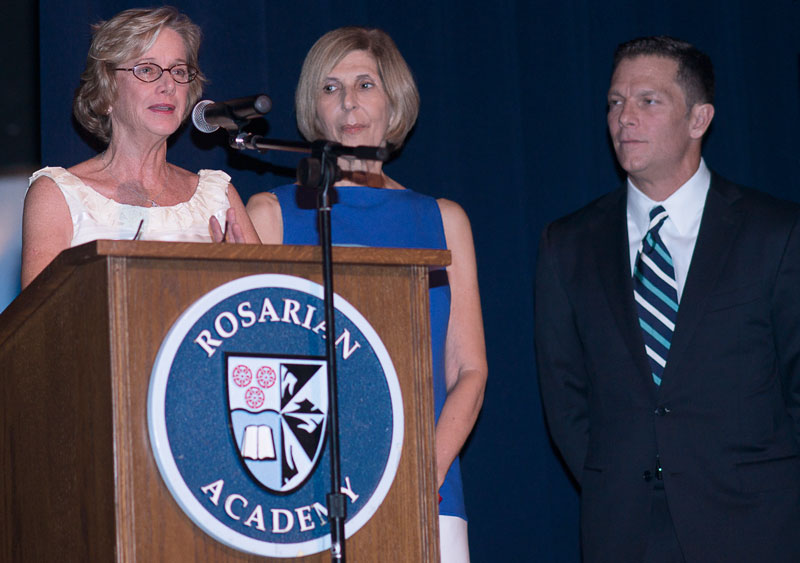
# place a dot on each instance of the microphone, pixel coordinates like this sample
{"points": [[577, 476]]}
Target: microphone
{"points": [[209, 116]]}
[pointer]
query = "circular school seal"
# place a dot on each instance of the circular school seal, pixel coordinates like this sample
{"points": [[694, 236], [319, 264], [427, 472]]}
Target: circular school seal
{"points": [[238, 412]]}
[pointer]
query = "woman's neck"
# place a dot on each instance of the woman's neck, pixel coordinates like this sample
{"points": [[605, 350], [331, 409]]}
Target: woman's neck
{"points": [[364, 173], [130, 160]]}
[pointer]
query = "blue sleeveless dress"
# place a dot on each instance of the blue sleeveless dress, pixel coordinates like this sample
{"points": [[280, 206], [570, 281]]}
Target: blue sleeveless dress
{"points": [[365, 216]]}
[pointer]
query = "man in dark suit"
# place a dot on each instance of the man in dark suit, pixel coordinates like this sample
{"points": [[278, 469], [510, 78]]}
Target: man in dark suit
{"points": [[668, 337]]}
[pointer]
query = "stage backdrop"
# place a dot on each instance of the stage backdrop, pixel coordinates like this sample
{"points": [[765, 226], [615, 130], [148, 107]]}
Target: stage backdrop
{"points": [[512, 126]]}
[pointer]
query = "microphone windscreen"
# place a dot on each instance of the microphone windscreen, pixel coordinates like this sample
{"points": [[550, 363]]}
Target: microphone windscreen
{"points": [[199, 119]]}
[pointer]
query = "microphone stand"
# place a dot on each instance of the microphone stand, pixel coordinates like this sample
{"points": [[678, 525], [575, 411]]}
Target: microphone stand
{"points": [[320, 171]]}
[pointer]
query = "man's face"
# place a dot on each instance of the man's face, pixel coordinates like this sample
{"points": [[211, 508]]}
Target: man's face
{"points": [[648, 120]]}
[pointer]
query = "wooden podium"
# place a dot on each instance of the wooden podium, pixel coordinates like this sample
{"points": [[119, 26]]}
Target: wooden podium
{"points": [[79, 481]]}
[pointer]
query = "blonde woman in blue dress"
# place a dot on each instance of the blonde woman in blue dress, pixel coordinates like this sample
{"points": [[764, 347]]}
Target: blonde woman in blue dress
{"points": [[140, 83], [356, 89]]}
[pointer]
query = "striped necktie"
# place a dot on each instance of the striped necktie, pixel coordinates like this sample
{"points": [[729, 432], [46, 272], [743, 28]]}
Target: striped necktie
{"points": [[656, 294]]}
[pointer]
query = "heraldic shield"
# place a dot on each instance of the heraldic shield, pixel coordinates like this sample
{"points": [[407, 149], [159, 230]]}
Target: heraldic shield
{"points": [[279, 412]]}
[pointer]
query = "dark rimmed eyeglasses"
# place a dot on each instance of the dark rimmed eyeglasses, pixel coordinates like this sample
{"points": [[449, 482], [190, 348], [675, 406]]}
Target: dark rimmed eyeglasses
{"points": [[150, 72]]}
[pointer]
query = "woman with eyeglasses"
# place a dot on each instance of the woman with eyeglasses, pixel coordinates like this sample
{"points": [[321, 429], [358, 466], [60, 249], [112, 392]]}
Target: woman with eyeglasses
{"points": [[140, 83]]}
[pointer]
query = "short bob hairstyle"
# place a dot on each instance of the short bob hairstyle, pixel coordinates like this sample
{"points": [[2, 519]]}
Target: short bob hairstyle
{"points": [[126, 36], [395, 75]]}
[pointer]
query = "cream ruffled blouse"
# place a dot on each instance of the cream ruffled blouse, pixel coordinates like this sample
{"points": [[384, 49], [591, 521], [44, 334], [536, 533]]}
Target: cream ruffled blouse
{"points": [[94, 216]]}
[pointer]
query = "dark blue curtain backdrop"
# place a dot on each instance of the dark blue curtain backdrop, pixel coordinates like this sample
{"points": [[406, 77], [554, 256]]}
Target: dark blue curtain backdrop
{"points": [[512, 126]]}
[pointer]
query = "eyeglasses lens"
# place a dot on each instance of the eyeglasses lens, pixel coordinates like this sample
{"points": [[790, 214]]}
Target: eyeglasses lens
{"points": [[149, 72]]}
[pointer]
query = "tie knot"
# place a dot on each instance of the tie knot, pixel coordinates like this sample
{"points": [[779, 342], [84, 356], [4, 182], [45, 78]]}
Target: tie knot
{"points": [[657, 217]]}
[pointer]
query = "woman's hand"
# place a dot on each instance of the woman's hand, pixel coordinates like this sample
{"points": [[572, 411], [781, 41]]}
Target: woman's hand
{"points": [[233, 230], [238, 228]]}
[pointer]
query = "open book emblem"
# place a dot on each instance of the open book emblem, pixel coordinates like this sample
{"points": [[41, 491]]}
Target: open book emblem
{"points": [[278, 408]]}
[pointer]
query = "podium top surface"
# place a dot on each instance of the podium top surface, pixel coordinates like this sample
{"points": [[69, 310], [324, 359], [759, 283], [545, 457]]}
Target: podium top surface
{"points": [[254, 253], [66, 262]]}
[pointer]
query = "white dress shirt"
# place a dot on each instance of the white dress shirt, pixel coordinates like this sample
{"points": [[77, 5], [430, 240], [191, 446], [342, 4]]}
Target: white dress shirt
{"points": [[679, 232]]}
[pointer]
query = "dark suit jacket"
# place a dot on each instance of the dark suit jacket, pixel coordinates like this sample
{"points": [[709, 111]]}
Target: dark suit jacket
{"points": [[726, 419]]}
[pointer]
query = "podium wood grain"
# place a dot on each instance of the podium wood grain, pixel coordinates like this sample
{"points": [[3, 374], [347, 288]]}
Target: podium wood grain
{"points": [[77, 347]]}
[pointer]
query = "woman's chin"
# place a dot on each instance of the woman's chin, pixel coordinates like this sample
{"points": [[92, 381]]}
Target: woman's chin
{"points": [[163, 129]]}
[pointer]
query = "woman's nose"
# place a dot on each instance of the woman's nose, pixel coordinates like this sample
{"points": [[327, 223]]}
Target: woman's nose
{"points": [[349, 101], [166, 83]]}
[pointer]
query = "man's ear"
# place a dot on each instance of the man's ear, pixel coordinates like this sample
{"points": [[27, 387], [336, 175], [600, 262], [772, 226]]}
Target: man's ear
{"points": [[700, 119]]}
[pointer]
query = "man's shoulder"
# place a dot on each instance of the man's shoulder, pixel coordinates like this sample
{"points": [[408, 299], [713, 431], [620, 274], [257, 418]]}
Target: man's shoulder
{"points": [[757, 203]]}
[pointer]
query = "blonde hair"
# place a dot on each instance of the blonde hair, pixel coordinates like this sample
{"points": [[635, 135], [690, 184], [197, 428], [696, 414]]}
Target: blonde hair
{"points": [[329, 50], [128, 35]]}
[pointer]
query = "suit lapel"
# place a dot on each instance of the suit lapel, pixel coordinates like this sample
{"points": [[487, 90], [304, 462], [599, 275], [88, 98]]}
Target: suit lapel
{"points": [[610, 239], [718, 228]]}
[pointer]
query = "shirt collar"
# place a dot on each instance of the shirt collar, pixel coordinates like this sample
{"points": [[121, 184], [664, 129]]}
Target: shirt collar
{"points": [[684, 206]]}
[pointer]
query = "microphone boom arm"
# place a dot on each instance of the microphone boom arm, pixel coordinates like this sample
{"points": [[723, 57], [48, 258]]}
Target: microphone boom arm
{"points": [[244, 140]]}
